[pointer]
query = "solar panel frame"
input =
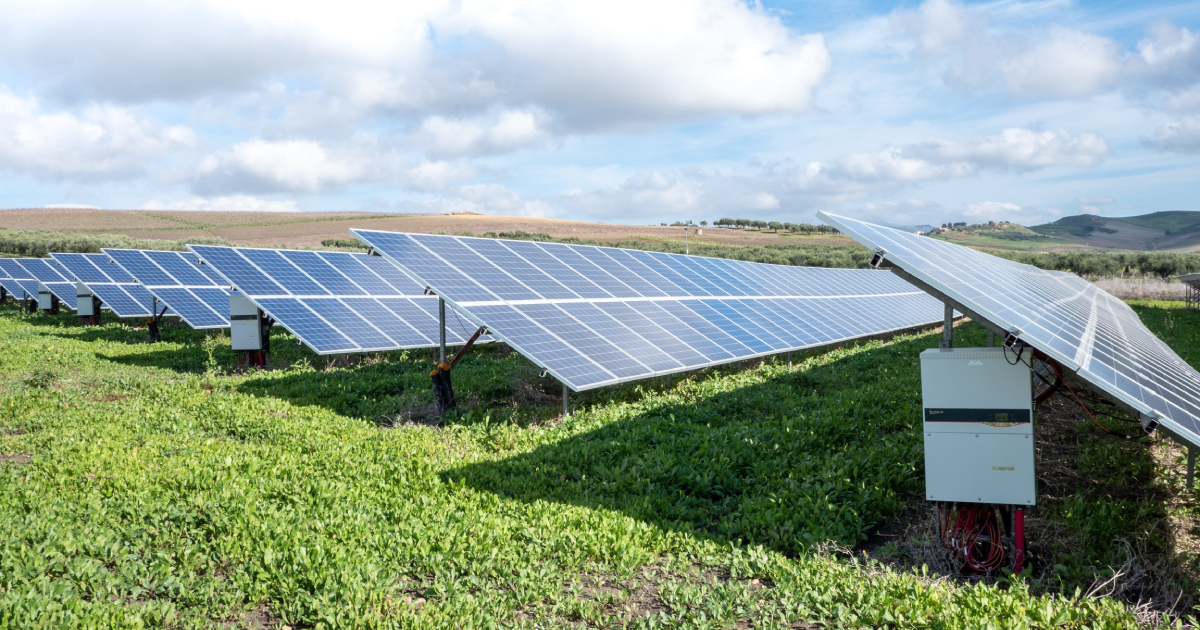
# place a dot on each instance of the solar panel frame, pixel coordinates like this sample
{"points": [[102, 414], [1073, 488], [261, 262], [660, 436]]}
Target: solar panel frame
{"points": [[334, 302], [178, 282], [678, 309], [1053, 332]]}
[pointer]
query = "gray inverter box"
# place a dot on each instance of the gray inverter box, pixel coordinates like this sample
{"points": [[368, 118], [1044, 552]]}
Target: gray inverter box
{"points": [[978, 426], [245, 331], [83, 300], [45, 297]]}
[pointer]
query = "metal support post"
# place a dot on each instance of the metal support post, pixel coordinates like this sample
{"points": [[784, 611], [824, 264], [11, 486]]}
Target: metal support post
{"points": [[948, 329], [442, 330], [1191, 467], [991, 339], [566, 400]]}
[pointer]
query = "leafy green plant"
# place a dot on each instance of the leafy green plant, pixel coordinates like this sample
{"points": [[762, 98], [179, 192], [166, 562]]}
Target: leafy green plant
{"points": [[699, 500]]}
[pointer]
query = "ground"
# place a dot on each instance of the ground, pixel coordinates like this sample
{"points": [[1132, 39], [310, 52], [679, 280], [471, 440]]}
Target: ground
{"points": [[153, 485], [309, 229]]}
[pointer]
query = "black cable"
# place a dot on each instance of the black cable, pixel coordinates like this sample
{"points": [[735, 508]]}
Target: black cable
{"points": [[1020, 350]]}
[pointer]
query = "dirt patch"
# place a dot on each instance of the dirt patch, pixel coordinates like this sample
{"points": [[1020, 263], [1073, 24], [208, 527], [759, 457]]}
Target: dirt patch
{"points": [[259, 618], [18, 460]]}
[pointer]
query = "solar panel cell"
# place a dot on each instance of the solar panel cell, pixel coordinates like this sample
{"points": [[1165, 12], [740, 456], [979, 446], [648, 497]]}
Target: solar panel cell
{"points": [[362, 277], [400, 332], [330, 279], [233, 267], [307, 325]]}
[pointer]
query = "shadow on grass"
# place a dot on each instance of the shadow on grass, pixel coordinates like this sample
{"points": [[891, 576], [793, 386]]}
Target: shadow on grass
{"points": [[798, 458]]}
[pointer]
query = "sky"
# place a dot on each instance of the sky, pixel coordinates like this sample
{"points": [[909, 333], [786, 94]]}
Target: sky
{"points": [[617, 111]]}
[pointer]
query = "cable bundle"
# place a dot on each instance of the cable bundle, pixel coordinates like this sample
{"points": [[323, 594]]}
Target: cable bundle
{"points": [[970, 532]]}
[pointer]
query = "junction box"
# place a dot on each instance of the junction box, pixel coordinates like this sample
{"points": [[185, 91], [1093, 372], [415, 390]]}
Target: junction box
{"points": [[978, 426], [87, 305], [47, 301], [247, 325]]}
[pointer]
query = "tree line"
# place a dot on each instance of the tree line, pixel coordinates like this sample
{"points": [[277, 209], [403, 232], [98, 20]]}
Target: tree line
{"points": [[802, 228], [39, 243], [1102, 264]]}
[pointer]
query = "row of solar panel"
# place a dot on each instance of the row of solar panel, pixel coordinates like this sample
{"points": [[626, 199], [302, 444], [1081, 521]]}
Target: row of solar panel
{"points": [[488, 270], [591, 315], [398, 316], [594, 316]]}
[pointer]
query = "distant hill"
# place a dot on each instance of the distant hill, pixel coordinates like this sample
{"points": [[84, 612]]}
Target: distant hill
{"points": [[1174, 229]]}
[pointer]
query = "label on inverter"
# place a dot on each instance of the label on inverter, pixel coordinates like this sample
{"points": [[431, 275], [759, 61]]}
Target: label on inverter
{"points": [[990, 417]]}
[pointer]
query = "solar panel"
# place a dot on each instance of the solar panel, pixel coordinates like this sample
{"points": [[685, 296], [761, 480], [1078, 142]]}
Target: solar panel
{"points": [[115, 288], [18, 282], [334, 302], [1087, 330], [178, 282], [47, 273], [595, 316]]}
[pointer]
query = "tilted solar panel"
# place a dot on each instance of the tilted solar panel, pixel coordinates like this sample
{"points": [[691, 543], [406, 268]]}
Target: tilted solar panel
{"points": [[335, 302], [19, 282], [1087, 330], [11, 286], [47, 272], [178, 282], [595, 316], [115, 288]]}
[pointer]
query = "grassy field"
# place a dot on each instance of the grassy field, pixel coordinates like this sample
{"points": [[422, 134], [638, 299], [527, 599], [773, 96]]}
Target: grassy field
{"points": [[148, 486]]}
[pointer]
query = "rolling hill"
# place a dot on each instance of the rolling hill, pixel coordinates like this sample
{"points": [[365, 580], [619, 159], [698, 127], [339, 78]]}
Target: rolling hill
{"points": [[1171, 230]]}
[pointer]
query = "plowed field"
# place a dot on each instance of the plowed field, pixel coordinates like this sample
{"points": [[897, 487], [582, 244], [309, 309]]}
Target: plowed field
{"points": [[309, 229]]}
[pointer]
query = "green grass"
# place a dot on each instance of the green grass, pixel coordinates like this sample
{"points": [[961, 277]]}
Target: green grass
{"points": [[165, 491]]}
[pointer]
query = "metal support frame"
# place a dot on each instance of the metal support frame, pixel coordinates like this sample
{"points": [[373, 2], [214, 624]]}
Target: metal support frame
{"points": [[566, 400], [442, 330], [948, 328], [1191, 295], [1191, 467]]}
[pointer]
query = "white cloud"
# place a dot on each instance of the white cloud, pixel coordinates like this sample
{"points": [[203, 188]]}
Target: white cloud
{"points": [[440, 137], [1094, 200], [992, 211], [610, 63], [104, 141], [1170, 54], [1182, 136], [1019, 149], [231, 203], [1058, 62], [74, 206], [628, 60], [286, 165], [435, 176]]}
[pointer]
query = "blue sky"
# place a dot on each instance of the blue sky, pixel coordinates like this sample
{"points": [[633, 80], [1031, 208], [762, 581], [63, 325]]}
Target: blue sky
{"points": [[631, 112]]}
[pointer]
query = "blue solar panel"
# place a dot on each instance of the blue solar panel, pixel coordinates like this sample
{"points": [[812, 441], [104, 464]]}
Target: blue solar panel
{"points": [[177, 281], [107, 281], [40, 269], [335, 302], [10, 267], [598, 315], [1093, 334], [117, 300], [82, 267], [317, 333]]}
